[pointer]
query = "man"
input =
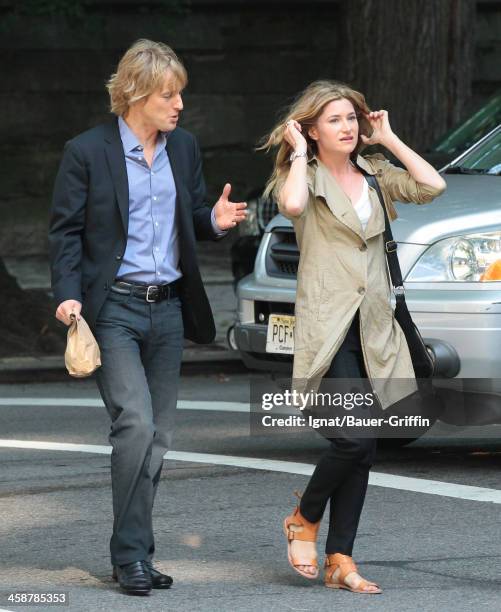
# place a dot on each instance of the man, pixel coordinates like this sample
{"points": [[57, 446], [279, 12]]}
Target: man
{"points": [[127, 209]]}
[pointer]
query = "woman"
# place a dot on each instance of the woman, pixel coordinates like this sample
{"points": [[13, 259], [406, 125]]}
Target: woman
{"points": [[345, 326]]}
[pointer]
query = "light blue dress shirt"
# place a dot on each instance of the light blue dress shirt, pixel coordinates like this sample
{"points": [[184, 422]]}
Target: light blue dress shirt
{"points": [[152, 252]]}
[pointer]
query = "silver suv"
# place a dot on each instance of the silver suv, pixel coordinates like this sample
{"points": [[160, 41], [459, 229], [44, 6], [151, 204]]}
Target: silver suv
{"points": [[450, 255]]}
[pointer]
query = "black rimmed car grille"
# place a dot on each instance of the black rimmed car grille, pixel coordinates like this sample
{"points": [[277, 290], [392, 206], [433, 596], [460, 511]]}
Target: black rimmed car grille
{"points": [[282, 257], [267, 209]]}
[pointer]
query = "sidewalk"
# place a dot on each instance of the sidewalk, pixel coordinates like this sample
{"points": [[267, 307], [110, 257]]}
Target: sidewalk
{"points": [[32, 272]]}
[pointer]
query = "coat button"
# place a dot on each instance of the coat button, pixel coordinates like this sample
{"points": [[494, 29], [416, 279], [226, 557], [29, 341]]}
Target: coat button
{"points": [[363, 247], [118, 257], [361, 290]]}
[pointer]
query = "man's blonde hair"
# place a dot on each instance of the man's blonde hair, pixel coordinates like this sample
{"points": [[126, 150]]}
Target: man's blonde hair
{"points": [[141, 71]]}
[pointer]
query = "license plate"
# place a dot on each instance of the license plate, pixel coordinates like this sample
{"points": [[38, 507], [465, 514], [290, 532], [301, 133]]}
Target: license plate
{"points": [[280, 336]]}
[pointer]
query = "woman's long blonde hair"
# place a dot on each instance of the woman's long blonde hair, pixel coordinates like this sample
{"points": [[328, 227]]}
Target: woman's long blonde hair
{"points": [[306, 109]]}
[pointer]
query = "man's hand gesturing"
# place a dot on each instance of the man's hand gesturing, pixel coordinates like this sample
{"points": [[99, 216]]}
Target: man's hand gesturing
{"points": [[67, 308], [228, 214]]}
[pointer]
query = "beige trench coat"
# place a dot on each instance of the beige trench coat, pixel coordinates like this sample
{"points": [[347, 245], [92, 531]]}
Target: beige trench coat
{"points": [[342, 269]]}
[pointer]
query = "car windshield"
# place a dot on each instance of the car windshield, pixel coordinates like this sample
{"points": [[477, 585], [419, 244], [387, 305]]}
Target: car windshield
{"points": [[484, 159], [473, 129]]}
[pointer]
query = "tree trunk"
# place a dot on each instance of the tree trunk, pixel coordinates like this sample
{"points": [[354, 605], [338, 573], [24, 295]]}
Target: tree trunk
{"points": [[413, 58]]}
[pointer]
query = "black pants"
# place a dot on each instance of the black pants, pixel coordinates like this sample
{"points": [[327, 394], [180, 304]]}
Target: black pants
{"points": [[342, 473]]}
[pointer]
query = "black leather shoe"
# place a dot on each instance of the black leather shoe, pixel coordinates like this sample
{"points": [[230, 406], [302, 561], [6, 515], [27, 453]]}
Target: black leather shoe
{"points": [[158, 580], [133, 578]]}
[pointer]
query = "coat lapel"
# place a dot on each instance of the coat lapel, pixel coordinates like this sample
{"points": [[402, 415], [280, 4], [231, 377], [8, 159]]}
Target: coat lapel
{"points": [[116, 161], [326, 187], [171, 148], [375, 224]]}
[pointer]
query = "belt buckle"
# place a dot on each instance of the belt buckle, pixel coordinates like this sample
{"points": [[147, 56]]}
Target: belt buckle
{"points": [[148, 293]]}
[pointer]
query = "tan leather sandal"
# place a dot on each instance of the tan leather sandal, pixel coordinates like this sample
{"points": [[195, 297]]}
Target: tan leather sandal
{"points": [[346, 566], [296, 527]]}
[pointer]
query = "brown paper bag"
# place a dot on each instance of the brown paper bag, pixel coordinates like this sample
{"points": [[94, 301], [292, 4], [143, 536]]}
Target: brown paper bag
{"points": [[82, 356]]}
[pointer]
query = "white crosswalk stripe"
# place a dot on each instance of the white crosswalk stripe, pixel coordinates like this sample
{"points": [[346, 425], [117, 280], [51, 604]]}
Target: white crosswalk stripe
{"points": [[390, 481], [87, 402]]}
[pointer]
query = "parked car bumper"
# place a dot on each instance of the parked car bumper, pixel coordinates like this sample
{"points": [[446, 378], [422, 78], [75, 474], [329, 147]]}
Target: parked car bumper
{"points": [[463, 327]]}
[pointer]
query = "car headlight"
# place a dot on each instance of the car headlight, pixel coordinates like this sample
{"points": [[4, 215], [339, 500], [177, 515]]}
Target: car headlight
{"points": [[470, 258], [250, 226]]}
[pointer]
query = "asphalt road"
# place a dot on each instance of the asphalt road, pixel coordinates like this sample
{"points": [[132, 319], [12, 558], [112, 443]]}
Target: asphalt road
{"points": [[430, 538]]}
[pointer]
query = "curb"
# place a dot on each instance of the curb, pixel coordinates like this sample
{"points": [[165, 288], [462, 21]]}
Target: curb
{"points": [[52, 368]]}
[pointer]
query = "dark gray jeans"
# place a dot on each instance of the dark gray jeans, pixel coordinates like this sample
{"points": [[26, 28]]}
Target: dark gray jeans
{"points": [[141, 347]]}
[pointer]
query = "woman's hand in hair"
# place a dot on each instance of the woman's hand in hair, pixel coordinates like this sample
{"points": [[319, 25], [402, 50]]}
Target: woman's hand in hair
{"points": [[381, 130], [293, 196], [419, 169], [292, 134]]}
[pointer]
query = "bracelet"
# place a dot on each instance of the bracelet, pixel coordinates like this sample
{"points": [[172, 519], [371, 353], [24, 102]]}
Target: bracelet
{"points": [[296, 154]]}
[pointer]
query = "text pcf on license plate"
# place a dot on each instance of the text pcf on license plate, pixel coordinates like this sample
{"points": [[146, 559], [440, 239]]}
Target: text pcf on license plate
{"points": [[280, 334]]}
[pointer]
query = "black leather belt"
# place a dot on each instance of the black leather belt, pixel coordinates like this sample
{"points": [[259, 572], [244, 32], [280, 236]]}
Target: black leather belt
{"points": [[150, 293]]}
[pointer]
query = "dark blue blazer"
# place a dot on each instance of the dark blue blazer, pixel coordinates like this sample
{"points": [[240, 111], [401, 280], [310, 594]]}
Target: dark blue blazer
{"points": [[90, 215]]}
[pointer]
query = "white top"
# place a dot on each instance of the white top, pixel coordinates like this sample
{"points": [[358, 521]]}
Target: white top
{"points": [[363, 207]]}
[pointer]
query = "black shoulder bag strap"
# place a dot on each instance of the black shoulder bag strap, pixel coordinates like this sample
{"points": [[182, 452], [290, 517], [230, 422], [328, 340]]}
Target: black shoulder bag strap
{"points": [[390, 246], [423, 360]]}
